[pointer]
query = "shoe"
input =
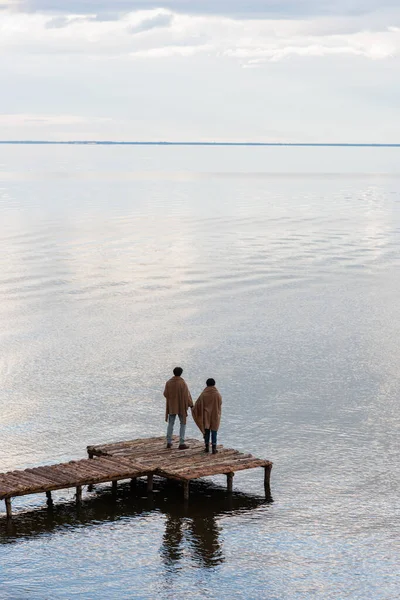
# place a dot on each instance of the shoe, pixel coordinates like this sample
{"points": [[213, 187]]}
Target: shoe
{"points": [[169, 446], [182, 447], [214, 450], [207, 449]]}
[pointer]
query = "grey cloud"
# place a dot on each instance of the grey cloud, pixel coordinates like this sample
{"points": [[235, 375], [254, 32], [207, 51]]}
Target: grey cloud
{"points": [[60, 22], [232, 8], [162, 20]]}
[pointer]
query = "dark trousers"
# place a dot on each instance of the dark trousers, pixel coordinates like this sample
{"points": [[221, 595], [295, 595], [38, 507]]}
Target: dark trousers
{"points": [[213, 437]]}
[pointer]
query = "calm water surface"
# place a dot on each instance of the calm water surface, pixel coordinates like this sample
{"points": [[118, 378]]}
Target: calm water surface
{"points": [[274, 270]]}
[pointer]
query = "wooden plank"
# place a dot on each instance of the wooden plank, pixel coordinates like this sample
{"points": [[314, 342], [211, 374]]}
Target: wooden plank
{"points": [[14, 481], [67, 471], [217, 459], [177, 456], [21, 480], [115, 466], [216, 469], [178, 461], [146, 445], [109, 448], [11, 486], [118, 462], [50, 474], [38, 476], [94, 470]]}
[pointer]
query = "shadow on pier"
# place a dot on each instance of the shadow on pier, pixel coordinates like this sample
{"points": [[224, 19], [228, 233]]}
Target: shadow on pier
{"points": [[194, 525]]}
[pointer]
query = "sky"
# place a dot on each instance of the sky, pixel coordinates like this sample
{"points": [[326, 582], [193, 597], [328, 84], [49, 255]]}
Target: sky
{"points": [[200, 70]]}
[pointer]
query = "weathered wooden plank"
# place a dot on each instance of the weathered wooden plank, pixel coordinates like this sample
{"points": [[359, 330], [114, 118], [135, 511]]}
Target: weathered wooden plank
{"points": [[11, 485], [131, 444], [216, 469], [125, 460], [37, 475], [177, 456], [116, 465], [23, 480], [67, 471], [96, 470], [50, 474], [17, 479], [210, 461], [83, 470], [146, 445], [161, 460]]}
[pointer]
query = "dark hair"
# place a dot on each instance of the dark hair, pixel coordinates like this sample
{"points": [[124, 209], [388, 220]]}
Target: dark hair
{"points": [[178, 371], [210, 382]]}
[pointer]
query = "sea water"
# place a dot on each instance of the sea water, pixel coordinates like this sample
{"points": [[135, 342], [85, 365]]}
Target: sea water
{"points": [[273, 270]]}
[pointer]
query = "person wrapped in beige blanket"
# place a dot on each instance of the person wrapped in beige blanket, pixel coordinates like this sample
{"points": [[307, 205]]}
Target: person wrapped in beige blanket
{"points": [[178, 400], [207, 414]]}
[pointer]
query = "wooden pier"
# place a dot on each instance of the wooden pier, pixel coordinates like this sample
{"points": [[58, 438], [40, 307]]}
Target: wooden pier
{"points": [[130, 460]]}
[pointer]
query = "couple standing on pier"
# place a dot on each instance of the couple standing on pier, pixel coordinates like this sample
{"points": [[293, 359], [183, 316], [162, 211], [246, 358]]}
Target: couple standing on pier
{"points": [[206, 412]]}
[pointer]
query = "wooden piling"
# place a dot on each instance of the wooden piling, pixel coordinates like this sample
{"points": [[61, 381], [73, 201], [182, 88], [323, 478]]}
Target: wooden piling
{"points": [[267, 480], [78, 495], [49, 499], [114, 488], [229, 482], [150, 482], [8, 508], [133, 484]]}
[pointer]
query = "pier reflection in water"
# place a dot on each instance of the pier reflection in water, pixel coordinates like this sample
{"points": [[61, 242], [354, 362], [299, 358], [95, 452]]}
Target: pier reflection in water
{"points": [[189, 528]]}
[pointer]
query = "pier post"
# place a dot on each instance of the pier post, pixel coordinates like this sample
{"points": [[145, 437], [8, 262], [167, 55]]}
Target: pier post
{"points": [[186, 490], [78, 495], [150, 482], [267, 477], [91, 486], [114, 488], [133, 484], [229, 482], [8, 508], [49, 500], [90, 456]]}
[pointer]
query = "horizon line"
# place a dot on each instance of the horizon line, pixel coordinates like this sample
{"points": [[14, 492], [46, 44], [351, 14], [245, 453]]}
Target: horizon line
{"points": [[193, 143]]}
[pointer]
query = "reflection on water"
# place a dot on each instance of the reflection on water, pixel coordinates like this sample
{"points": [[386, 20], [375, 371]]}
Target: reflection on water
{"points": [[189, 527]]}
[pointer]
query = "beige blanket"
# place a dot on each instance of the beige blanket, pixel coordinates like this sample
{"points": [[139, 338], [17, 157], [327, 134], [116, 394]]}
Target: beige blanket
{"points": [[207, 410], [178, 397]]}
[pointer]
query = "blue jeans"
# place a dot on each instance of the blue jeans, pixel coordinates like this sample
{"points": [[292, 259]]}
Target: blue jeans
{"points": [[170, 429], [213, 437]]}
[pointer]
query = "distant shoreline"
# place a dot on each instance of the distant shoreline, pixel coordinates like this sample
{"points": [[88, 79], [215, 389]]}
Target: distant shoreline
{"points": [[273, 144]]}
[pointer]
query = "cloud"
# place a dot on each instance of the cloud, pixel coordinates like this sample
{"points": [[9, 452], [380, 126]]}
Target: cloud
{"points": [[153, 22], [252, 9], [163, 34]]}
